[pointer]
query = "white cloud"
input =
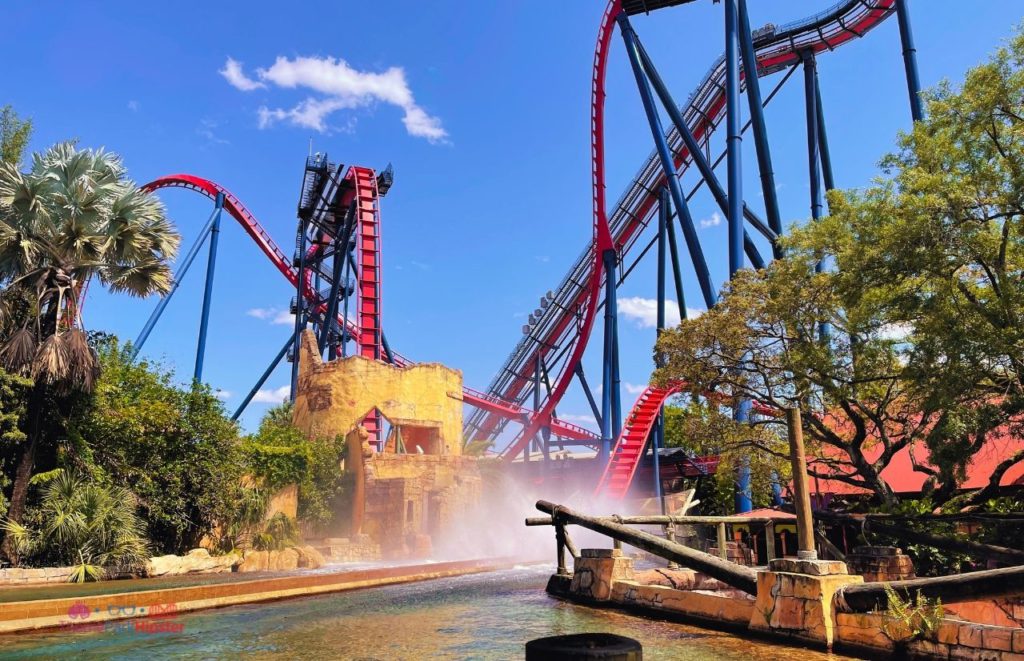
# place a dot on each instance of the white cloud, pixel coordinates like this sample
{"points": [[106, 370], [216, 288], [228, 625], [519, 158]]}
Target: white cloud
{"points": [[578, 419], [275, 396], [714, 221], [206, 130], [233, 73], [273, 315], [223, 394], [342, 88], [133, 105], [634, 388], [644, 311]]}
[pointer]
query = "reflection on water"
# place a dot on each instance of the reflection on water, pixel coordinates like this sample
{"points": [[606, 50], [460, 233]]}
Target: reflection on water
{"points": [[483, 616]]}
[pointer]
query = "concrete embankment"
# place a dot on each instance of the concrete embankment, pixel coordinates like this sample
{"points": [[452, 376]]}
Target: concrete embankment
{"points": [[87, 611]]}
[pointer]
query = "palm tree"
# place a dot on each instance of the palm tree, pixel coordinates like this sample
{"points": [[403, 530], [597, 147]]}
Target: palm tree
{"points": [[73, 217]]}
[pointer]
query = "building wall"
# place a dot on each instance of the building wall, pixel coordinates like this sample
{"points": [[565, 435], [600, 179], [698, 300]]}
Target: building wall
{"points": [[333, 398]]}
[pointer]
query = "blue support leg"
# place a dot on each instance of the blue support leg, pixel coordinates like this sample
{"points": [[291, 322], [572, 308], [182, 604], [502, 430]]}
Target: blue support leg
{"points": [[658, 437], [263, 379], [211, 266], [696, 153], [300, 307], [764, 155], [743, 500], [668, 165], [673, 251], [182, 270], [910, 60], [823, 150], [734, 143], [608, 374], [590, 395], [734, 138], [811, 98]]}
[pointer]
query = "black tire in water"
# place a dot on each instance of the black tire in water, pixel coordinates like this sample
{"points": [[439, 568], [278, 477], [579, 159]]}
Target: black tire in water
{"points": [[584, 647]]}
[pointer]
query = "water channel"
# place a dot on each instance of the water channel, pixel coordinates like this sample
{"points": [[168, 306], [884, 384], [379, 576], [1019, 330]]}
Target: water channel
{"points": [[481, 616]]}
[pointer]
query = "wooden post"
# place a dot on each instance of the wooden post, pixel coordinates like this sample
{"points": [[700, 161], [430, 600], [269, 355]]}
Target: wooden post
{"points": [[769, 535], [560, 546], [801, 492], [569, 546], [723, 552], [670, 535]]}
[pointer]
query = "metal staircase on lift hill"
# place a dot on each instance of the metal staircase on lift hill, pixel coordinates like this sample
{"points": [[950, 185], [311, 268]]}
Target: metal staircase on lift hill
{"points": [[629, 447]]}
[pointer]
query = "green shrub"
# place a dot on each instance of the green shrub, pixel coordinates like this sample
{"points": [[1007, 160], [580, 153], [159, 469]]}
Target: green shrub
{"points": [[82, 524]]}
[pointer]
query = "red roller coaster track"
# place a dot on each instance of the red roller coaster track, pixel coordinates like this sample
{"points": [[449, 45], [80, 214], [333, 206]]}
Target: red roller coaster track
{"points": [[564, 329], [369, 255]]}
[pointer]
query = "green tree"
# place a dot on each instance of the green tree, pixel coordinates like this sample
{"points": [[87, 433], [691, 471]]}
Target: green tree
{"points": [[13, 397], [705, 430], [174, 447], [72, 217], [14, 135], [279, 454], [924, 301]]}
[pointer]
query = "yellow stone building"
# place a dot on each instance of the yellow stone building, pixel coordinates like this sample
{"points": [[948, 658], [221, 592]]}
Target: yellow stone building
{"points": [[404, 498]]}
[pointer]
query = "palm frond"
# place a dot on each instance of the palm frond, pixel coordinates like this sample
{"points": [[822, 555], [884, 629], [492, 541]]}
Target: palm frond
{"points": [[18, 354], [51, 361]]}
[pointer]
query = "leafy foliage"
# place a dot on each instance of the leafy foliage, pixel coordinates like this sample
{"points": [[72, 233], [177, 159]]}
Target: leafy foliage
{"points": [[175, 447], [82, 524], [14, 135], [13, 400], [924, 304], [278, 533], [73, 216], [705, 430], [278, 454], [916, 619]]}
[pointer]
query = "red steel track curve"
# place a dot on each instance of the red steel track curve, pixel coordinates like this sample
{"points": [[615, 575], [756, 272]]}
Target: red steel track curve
{"points": [[629, 448], [282, 263], [571, 331]]}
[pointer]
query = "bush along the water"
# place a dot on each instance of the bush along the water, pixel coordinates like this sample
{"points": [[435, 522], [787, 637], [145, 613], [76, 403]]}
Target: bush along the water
{"points": [[81, 524]]}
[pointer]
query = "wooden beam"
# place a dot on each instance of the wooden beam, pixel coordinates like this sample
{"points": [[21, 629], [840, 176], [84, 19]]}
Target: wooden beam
{"points": [[738, 576]]}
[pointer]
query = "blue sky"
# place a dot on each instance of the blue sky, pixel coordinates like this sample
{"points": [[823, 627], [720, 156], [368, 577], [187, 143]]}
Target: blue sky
{"points": [[483, 109]]}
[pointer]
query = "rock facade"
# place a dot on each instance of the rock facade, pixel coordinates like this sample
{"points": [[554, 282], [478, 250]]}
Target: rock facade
{"points": [[196, 561], [880, 563], [288, 559], [26, 576]]}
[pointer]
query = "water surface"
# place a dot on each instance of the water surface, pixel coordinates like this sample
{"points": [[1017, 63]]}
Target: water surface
{"points": [[481, 616]]}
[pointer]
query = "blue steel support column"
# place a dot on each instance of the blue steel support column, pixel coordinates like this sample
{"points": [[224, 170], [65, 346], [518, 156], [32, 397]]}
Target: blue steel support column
{"points": [[699, 159], [826, 156], [764, 155], [811, 107], [811, 111], [608, 433], [590, 395], [668, 165], [545, 438], [182, 270], [909, 60], [734, 139], [211, 266], [734, 143], [659, 426], [349, 268], [263, 379], [673, 251], [300, 304]]}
